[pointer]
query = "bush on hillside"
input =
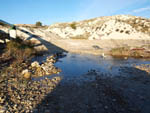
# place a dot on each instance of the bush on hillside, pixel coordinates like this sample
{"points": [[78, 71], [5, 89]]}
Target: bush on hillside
{"points": [[38, 24], [73, 25]]}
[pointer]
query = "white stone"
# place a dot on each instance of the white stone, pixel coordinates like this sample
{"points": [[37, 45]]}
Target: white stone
{"points": [[12, 33], [35, 64], [25, 71]]}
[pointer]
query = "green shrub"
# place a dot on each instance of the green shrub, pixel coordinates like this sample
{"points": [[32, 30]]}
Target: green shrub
{"points": [[38, 24], [73, 25]]}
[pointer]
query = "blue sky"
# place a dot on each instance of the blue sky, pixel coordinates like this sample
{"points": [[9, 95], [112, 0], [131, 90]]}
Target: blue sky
{"points": [[52, 11]]}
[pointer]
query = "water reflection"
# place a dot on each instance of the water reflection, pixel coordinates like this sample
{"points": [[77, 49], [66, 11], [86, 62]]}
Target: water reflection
{"points": [[79, 64], [73, 65]]}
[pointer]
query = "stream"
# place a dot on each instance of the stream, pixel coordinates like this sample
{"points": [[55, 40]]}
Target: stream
{"points": [[74, 65]]}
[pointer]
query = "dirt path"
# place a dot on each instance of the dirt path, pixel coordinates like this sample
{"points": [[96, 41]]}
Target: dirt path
{"points": [[97, 47]]}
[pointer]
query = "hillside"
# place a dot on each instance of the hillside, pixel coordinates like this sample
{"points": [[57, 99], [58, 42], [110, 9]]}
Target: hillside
{"points": [[81, 37], [108, 27]]}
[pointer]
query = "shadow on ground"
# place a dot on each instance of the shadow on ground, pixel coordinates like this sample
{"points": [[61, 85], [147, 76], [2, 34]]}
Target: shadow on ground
{"points": [[50, 48], [99, 96]]}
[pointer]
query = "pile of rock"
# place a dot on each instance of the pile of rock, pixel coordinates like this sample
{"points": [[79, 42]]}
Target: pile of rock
{"points": [[46, 68], [144, 67]]}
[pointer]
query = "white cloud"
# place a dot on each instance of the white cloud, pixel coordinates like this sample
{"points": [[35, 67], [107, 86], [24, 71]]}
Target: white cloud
{"points": [[141, 10]]}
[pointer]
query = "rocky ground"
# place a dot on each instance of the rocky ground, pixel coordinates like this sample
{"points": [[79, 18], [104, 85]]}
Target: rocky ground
{"points": [[17, 97], [19, 91], [90, 93]]}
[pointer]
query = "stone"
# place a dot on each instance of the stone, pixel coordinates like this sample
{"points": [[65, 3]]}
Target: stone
{"points": [[1, 100], [35, 64], [13, 33], [26, 74]]}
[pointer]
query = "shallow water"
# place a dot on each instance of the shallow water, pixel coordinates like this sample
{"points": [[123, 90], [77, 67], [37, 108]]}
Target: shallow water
{"points": [[73, 65], [79, 64]]}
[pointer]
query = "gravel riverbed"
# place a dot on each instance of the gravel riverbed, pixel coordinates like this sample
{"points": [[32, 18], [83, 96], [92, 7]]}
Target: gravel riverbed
{"points": [[92, 92]]}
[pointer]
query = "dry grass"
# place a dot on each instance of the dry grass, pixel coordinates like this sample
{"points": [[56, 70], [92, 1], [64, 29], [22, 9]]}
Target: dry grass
{"points": [[19, 50], [127, 52], [121, 51], [83, 37], [17, 55]]}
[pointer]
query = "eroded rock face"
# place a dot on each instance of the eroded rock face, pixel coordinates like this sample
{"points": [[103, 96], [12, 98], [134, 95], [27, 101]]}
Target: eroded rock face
{"points": [[111, 27]]}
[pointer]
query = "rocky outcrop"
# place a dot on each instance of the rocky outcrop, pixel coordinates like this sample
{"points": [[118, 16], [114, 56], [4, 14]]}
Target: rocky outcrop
{"points": [[111, 27]]}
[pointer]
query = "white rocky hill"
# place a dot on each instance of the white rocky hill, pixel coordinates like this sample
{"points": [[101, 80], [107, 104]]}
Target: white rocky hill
{"points": [[109, 27]]}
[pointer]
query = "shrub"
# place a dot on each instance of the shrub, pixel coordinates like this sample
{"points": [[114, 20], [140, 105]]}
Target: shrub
{"points": [[19, 50], [127, 52], [73, 25], [120, 51], [38, 24], [83, 36]]}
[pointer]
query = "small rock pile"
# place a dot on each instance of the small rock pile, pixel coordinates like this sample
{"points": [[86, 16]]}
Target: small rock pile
{"points": [[46, 68], [144, 67]]}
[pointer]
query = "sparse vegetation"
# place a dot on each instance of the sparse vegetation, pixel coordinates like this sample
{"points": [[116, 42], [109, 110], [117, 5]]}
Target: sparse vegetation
{"points": [[16, 56], [19, 50], [121, 51], [38, 24], [84, 36], [137, 52], [73, 26]]}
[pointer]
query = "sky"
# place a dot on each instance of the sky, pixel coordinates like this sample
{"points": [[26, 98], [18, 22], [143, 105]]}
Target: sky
{"points": [[53, 11]]}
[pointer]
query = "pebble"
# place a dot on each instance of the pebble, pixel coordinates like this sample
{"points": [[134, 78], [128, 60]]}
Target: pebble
{"points": [[106, 107], [22, 95]]}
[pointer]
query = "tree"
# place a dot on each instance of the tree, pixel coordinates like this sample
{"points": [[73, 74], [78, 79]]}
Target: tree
{"points": [[38, 23]]}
